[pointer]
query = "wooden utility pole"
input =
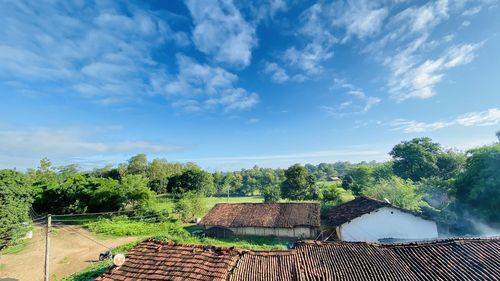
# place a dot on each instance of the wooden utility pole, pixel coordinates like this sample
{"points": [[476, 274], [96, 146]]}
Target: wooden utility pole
{"points": [[47, 247]]}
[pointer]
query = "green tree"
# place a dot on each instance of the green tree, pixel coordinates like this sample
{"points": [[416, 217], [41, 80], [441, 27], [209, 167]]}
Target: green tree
{"points": [[159, 172], [271, 193], [450, 164], [192, 179], [358, 178], [190, 205], [416, 159], [15, 201], [479, 186], [137, 164], [398, 191], [299, 184], [135, 190], [498, 135]]}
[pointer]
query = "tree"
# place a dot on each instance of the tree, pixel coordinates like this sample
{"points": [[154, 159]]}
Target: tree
{"points": [[159, 172], [358, 178], [498, 135], [299, 184], [192, 179], [137, 164], [398, 191], [479, 186], [450, 164], [271, 193], [15, 201], [135, 190], [416, 159]]}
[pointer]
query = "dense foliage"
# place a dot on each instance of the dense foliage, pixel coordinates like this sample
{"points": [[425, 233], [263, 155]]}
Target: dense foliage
{"points": [[15, 202], [298, 184]]}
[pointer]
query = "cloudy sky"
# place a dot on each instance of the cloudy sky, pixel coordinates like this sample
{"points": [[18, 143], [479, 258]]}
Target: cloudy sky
{"points": [[229, 84]]}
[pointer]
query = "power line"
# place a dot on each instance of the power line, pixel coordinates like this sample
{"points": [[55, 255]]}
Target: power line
{"points": [[86, 236], [90, 214], [83, 220]]}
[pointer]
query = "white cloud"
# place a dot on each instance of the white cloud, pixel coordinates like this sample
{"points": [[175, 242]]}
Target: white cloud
{"points": [[359, 18], [26, 146], [410, 79], [318, 46], [278, 74], [471, 11], [202, 87], [484, 118], [222, 32], [361, 104], [100, 50], [411, 126]]}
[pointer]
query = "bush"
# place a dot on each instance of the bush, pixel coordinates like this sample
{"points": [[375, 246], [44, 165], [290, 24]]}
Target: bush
{"points": [[398, 191], [190, 206]]}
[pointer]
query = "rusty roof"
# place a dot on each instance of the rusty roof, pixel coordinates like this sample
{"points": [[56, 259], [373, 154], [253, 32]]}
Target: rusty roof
{"points": [[451, 259], [160, 260], [361, 205], [286, 215]]}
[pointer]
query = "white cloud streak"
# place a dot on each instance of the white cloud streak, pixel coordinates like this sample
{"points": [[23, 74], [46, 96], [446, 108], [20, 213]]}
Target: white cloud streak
{"points": [[101, 51], [221, 31], [488, 117]]}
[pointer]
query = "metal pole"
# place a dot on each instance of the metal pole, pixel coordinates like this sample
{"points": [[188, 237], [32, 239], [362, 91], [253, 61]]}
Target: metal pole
{"points": [[47, 247]]}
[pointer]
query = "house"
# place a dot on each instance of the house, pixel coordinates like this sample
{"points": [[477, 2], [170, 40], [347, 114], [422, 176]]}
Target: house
{"points": [[451, 259], [292, 220], [367, 219]]}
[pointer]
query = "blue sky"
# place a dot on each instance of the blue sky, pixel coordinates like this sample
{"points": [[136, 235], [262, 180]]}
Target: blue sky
{"points": [[232, 84]]}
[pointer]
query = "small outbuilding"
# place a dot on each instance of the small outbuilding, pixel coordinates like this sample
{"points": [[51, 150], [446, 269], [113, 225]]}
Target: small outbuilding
{"points": [[367, 219], [291, 220]]}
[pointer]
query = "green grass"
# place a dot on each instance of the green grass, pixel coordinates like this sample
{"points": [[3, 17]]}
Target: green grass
{"points": [[16, 248], [121, 226], [179, 233]]}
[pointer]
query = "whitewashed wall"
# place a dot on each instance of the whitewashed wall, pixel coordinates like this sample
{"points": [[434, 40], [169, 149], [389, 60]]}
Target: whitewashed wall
{"points": [[388, 222]]}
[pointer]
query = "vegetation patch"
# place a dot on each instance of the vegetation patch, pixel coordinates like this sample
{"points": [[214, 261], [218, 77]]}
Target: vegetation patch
{"points": [[122, 226], [18, 247]]}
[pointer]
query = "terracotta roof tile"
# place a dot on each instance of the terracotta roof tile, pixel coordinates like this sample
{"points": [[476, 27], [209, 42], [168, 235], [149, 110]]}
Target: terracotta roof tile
{"points": [[263, 215], [453, 259]]}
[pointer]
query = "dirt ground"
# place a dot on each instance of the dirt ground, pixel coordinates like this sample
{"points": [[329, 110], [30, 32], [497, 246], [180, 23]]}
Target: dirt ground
{"points": [[71, 250]]}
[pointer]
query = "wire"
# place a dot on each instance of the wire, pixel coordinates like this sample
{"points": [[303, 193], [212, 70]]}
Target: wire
{"points": [[82, 220], [90, 214], [88, 237]]}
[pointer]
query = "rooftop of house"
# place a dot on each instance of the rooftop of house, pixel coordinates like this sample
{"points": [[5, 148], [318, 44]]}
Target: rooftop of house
{"points": [[361, 205], [451, 259], [285, 215]]}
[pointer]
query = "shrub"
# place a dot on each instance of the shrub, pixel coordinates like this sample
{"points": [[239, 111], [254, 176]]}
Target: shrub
{"points": [[190, 206]]}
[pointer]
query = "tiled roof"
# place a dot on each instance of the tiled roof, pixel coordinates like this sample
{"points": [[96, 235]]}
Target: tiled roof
{"points": [[286, 215], [453, 259], [158, 260], [346, 212]]}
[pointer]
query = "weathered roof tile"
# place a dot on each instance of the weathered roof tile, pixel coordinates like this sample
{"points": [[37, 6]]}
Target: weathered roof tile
{"points": [[263, 215]]}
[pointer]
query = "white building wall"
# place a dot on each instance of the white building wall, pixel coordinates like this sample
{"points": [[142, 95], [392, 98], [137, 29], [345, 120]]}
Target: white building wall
{"points": [[388, 222]]}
